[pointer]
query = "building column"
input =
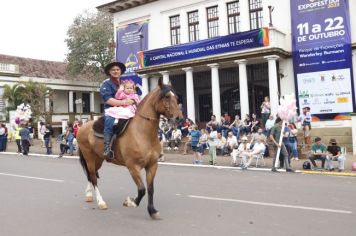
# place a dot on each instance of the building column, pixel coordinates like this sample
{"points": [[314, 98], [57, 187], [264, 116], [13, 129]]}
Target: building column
{"points": [[153, 83], [47, 104], [244, 16], [243, 88], [203, 28], [70, 101], [190, 93], [273, 82], [92, 102], [144, 87], [215, 90], [223, 24], [165, 75], [184, 31]]}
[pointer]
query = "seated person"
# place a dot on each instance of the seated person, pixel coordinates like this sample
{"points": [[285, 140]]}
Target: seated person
{"points": [[185, 127], [258, 135], [318, 152], [203, 141], [231, 141], [220, 144], [257, 150], [176, 139], [334, 154], [241, 150], [269, 124]]}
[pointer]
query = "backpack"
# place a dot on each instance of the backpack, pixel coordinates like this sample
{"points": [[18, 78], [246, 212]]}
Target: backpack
{"points": [[306, 165]]}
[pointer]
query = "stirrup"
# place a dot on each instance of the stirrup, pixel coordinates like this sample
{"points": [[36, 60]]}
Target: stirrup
{"points": [[110, 156]]}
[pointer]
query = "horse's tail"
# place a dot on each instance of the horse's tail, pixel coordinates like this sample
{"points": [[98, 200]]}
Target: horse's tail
{"points": [[85, 166]]}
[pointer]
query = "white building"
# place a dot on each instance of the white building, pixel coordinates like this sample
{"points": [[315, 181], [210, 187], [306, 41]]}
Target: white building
{"points": [[72, 98], [233, 82]]}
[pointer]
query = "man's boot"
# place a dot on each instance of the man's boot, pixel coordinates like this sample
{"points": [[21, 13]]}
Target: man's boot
{"points": [[107, 149]]}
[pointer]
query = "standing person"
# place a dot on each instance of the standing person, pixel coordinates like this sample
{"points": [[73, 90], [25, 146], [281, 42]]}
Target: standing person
{"points": [[48, 139], [18, 139], [274, 136], [108, 90], [265, 110], [76, 127], [25, 139], [30, 128], [213, 139], [70, 139], [2, 137], [42, 132], [293, 139], [305, 118], [195, 136]]}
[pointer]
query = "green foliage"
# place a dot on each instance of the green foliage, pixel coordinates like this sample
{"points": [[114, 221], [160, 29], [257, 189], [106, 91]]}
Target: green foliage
{"points": [[90, 40], [29, 92], [12, 95]]}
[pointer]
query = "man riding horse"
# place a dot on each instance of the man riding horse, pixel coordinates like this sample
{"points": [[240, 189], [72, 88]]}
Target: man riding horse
{"points": [[108, 90]]}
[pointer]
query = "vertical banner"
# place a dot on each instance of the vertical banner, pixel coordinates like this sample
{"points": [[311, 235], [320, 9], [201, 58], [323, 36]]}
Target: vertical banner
{"points": [[322, 57], [131, 40]]}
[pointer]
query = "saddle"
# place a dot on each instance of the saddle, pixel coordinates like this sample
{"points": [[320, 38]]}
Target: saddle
{"points": [[118, 129]]}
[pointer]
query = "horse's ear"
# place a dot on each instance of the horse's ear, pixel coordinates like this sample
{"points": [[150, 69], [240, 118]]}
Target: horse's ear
{"points": [[160, 82]]}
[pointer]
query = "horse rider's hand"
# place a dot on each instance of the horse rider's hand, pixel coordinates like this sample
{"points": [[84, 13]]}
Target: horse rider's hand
{"points": [[129, 102]]}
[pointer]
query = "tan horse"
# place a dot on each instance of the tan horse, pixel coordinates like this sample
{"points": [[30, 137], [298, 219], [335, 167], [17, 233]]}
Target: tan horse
{"points": [[137, 148]]}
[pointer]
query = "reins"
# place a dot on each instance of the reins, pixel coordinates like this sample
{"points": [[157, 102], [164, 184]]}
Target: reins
{"points": [[145, 117]]}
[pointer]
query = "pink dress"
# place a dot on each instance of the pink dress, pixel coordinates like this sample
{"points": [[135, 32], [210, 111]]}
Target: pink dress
{"points": [[123, 112]]}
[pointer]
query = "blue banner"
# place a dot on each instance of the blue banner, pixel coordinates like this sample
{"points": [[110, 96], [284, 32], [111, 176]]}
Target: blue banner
{"points": [[322, 57], [131, 40], [207, 47]]}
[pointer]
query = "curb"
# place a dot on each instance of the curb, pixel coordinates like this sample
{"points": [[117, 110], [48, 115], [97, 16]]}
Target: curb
{"points": [[312, 172], [345, 174]]}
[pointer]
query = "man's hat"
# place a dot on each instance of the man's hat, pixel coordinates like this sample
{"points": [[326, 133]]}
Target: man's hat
{"points": [[112, 64], [332, 140]]}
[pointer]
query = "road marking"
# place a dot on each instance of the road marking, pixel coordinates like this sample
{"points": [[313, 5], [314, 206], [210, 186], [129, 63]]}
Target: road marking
{"points": [[32, 177], [272, 204]]}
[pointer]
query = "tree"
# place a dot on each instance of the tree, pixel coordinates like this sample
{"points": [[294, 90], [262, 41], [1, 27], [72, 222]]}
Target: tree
{"points": [[12, 96], [90, 43], [35, 94]]}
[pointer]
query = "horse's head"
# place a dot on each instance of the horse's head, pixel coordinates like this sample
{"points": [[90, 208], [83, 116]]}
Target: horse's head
{"points": [[167, 104]]}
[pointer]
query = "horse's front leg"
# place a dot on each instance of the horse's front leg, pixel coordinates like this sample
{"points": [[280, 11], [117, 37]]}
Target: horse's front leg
{"points": [[141, 190], [89, 193], [150, 176]]}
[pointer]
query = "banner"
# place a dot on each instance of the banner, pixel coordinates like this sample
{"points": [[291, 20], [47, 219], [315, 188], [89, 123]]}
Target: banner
{"points": [[207, 47], [131, 40], [322, 57]]}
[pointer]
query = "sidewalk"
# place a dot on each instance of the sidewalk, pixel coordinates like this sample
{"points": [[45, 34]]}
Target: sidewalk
{"points": [[222, 161]]}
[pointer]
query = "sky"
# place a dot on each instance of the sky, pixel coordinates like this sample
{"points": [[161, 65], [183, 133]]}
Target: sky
{"points": [[37, 28]]}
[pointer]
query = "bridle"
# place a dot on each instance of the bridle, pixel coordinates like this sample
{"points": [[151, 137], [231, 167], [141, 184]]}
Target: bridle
{"points": [[166, 108]]}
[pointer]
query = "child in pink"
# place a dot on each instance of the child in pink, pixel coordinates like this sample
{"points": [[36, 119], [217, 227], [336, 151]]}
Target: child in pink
{"points": [[124, 112]]}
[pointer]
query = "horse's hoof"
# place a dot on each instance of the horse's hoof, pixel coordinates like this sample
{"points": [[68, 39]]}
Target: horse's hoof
{"points": [[129, 202], [156, 216], [89, 198], [103, 206]]}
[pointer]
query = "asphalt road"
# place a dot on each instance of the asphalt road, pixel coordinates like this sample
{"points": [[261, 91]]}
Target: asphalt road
{"points": [[45, 196]]}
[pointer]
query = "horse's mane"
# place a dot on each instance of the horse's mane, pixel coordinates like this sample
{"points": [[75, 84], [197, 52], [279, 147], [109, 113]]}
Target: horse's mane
{"points": [[162, 92]]}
